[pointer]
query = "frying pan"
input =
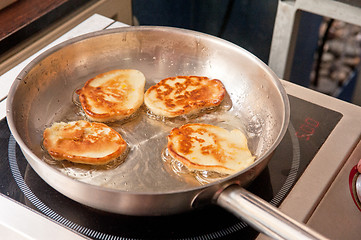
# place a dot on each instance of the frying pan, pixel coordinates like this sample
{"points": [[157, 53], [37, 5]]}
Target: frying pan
{"points": [[256, 103]]}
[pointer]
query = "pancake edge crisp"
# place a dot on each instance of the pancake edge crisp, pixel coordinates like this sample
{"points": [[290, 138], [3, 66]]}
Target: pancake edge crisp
{"points": [[205, 147], [184, 95], [83, 142], [113, 95]]}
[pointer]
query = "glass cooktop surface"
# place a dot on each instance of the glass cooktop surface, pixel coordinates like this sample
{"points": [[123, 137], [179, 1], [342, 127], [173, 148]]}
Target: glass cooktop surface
{"points": [[309, 128]]}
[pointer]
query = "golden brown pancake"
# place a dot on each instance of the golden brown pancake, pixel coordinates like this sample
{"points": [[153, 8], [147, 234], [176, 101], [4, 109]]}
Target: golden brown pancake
{"points": [[175, 96], [202, 147], [83, 142], [113, 95]]}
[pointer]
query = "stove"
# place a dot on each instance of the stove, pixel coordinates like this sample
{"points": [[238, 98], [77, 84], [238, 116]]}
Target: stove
{"points": [[305, 179]]}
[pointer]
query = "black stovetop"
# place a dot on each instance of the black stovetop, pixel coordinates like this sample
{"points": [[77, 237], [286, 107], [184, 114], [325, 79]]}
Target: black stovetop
{"points": [[309, 128]]}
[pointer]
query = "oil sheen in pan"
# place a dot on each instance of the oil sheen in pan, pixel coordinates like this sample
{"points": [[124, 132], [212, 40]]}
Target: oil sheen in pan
{"points": [[144, 169], [203, 177], [78, 170]]}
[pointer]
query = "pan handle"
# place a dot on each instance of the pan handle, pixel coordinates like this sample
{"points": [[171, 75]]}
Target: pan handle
{"points": [[262, 216]]}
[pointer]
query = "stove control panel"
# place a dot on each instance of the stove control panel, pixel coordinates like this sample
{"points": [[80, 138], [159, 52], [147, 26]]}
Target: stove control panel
{"points": [[355, 184], [338, 216]]}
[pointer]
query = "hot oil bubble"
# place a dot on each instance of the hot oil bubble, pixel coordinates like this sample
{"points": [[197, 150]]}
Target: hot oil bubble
{"points": [[46, 156], [76, 171], [115, 163], [255, 125], [151, 115], [226, 104], [75, 98], [202, 177], [165, 155], [205, 177], [177, 169], [83, 171], [208, 115], [176, 166], [172, 122]]}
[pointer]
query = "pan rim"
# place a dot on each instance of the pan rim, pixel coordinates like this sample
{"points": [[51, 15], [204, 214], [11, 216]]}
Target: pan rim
{"points": [[10, 118]]}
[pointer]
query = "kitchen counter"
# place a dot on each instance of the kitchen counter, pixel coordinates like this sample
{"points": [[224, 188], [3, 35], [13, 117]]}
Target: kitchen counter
{"points": [[96, 22], [30, 15], [29, 25], [320, 173], [11, 225]]}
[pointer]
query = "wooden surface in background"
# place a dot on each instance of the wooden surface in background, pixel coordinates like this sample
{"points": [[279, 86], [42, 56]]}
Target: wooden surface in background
{"points": [[5, 3], [23, 12]]}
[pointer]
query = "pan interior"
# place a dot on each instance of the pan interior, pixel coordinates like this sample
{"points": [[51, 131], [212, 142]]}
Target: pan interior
{"points": [[45, 95]]}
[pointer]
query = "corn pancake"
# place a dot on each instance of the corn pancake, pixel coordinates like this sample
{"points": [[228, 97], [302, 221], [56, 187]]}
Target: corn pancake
{"points": [[83, 142], [113, 95], [203, 147], [175, 96]]}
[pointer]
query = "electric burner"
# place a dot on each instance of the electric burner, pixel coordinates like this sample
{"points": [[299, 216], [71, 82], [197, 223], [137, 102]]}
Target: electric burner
{"points": [[309, 128]]}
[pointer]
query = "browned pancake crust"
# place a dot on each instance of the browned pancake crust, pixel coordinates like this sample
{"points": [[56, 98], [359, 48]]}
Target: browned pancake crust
{"points": [[194, 94], [185, 147], [97, 98], [83, 142], [182, 144]]}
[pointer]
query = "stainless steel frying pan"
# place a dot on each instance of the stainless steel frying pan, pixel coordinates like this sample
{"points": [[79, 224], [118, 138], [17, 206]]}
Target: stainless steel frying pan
{"points": [[257, 104]]}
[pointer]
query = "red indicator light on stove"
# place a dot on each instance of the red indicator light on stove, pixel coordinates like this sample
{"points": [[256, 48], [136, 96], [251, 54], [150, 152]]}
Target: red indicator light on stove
{"points": [[307, 128]]}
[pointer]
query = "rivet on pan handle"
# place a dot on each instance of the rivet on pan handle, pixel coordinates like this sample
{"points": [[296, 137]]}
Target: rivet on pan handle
{"points": [[262, 216]]}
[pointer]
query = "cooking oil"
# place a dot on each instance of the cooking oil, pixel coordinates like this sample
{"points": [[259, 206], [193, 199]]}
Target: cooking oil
{"points": [[203, 177]]}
